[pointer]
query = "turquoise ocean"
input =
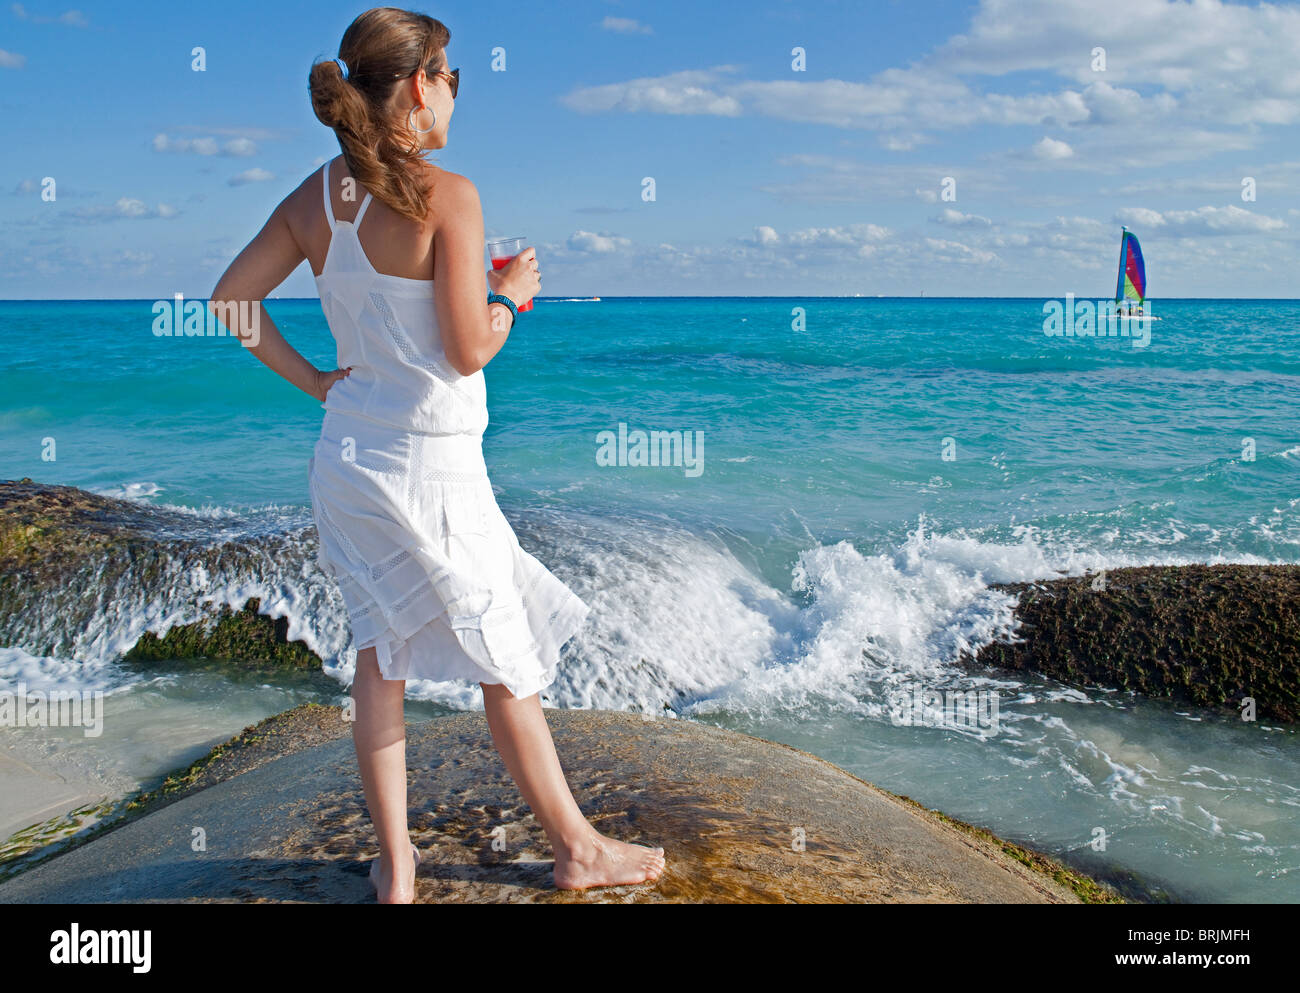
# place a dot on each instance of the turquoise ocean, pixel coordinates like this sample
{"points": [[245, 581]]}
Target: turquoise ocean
{"points": [[867, 468]]}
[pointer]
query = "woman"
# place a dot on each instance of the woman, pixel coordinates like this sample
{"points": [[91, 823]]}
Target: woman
{"points": [[434, 580]]}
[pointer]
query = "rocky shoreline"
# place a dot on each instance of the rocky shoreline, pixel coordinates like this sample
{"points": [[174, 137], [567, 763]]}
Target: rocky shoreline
{"points": [[1199, 635], [742, 820], [1202, 636], [74, 566]]}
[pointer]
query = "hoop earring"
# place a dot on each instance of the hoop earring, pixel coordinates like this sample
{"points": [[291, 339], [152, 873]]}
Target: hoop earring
{"points": [[410, 120]]}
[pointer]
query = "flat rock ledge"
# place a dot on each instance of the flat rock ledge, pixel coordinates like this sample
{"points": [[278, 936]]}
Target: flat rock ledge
{"points": [[281, 813]]}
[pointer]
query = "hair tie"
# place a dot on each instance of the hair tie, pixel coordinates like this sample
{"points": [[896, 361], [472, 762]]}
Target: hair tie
{"points": [[343, 67]]}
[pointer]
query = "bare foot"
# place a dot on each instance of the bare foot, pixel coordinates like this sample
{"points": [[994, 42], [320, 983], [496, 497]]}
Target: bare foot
{"points": [[386, 884], [602, 861]]}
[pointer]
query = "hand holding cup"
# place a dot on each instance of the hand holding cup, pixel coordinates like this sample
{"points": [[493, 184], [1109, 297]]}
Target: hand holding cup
{"points": [[516, 274]]}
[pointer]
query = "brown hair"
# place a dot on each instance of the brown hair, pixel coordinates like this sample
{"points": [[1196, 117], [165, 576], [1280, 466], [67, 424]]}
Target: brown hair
{"points": [[380, 47]]}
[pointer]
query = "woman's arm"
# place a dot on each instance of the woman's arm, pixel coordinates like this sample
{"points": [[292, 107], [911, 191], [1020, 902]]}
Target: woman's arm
{"points": [[472, 333], [501, 318], [264, 264]]}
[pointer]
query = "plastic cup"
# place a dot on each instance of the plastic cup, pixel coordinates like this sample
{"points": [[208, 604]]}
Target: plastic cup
{"points": [[501, 251]]}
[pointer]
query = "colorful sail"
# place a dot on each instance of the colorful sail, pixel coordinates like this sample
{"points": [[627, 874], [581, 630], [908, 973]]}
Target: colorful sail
{"points": [[1132, 270]]}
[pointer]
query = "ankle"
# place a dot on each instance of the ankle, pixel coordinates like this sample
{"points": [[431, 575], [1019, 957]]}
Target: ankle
{"points": [[577, 844], [399, 857]]}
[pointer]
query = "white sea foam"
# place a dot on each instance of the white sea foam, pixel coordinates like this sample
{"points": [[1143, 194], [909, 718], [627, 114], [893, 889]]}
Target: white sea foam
{"points": [[46, 674], [679, 623], [870, 622], [129, 491]]}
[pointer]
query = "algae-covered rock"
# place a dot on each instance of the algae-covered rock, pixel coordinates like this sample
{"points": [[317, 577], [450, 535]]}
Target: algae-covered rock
{"points": [[242, 636], [83, 575], [1209, 636]]}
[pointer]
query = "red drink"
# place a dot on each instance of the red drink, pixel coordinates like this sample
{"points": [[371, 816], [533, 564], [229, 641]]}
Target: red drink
{"points": [[501, 264], [501, 252]]}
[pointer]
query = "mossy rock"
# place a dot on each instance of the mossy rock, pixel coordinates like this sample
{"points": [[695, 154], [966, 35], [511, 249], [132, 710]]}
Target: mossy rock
{"points": [[244, 636], [69, 558], [1207, 636]]}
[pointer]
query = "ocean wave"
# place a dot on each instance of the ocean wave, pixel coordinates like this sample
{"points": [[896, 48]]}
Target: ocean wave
{"points": [[680, 620], [129, 491], [47, 674]]}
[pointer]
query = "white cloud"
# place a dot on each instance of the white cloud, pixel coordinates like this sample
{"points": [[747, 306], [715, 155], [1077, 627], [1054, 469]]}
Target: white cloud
{"points": [[818, 244], [955, 252], [955, 218], [238, 147], [254, 175], [71, 18], [1050, 149], [128, 207], [11, 60], [902, 142], [903, 99], [599, 244], [125, 208], [1228, 63], [1202, 221], [685, 92], [895, 100], [1122, 149], [1182, 80], [1119, 105], [625, 25]]}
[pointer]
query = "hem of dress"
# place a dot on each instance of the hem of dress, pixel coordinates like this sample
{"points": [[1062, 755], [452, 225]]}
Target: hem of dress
{"points": [[564, 623]]}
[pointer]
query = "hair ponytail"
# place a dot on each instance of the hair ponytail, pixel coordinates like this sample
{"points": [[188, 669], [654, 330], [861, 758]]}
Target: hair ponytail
{"points": [[381, 47]]}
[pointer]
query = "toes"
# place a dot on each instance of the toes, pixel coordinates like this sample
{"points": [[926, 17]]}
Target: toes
{"points": [[653, 864]]}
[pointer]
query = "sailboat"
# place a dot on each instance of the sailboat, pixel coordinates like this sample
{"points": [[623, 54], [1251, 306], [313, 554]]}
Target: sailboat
{"points": [[1132, 283]]}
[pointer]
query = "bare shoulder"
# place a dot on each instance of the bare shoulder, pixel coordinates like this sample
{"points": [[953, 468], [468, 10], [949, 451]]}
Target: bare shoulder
{"points": [[315, 179], [305, 199], [455, 194]]}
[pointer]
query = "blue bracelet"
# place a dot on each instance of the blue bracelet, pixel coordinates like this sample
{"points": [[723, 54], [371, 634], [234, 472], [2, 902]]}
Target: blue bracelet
{"points": [[498, 298]]}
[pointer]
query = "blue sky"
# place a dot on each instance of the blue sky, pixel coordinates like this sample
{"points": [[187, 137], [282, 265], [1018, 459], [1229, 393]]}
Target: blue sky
{"points": [[768, 180]]}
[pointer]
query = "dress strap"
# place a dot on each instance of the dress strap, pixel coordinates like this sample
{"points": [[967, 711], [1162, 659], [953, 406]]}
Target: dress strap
{"points": [[365, 202], [325, 187]]}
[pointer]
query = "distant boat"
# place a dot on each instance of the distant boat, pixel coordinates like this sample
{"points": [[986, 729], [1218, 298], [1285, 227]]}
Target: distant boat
{"points": [[1132, 283]]}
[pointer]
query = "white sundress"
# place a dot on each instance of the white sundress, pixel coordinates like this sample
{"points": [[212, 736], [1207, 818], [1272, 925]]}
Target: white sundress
{"points": [[429, 568]]}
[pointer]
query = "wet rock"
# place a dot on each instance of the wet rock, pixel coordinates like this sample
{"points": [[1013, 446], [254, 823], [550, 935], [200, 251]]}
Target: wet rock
{"points": [[76, 567], [741, 820], [1203, 635]]}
